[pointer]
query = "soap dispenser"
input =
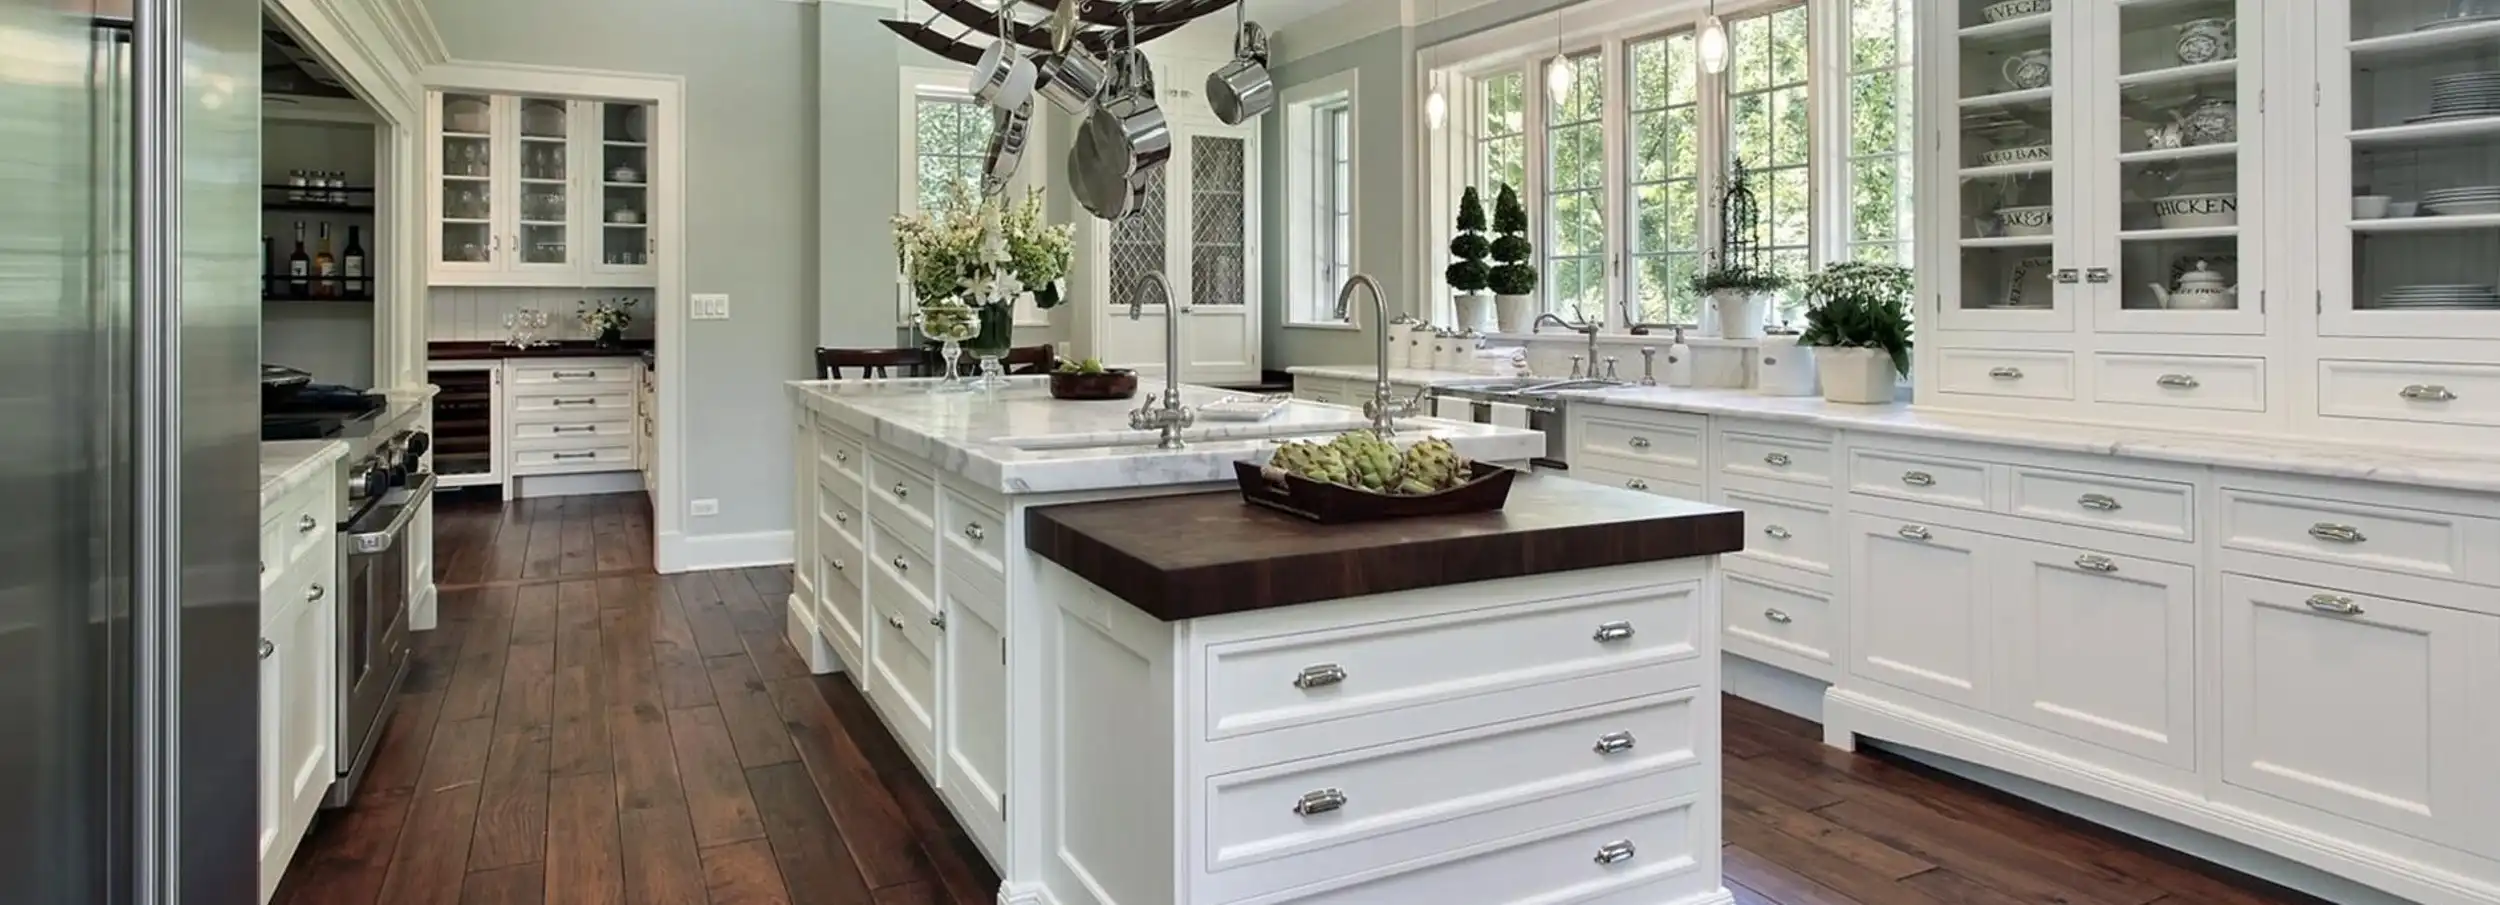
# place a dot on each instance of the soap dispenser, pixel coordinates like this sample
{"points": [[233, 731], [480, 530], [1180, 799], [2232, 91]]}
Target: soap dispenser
{"points": [[1679, 361]]}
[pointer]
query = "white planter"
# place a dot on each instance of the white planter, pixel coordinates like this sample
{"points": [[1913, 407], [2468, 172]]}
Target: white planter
{"points": [[1741, 313], [1785, 368], [1475, 312], [1517, 312], [1861, 376]]}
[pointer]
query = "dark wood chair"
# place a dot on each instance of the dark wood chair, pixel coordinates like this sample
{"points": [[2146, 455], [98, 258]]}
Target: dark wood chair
{"points": [[1030, 359], [871, 363]]}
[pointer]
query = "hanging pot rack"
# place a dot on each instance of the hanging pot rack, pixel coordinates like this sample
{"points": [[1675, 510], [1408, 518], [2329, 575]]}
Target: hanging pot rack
{"points": [[1102, 21]]}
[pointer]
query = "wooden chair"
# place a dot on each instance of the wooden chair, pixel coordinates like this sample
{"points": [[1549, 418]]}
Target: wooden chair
{"points": [[872, 363], [1030, 359]]}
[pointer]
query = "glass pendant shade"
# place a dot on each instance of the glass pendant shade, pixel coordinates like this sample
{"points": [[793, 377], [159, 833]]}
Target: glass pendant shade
{"points": [[1558, 79], [1436, 109], [1713, 45]]}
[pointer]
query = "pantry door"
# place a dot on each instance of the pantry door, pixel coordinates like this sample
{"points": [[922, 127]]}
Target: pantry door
{"points": [[1220, 336]]}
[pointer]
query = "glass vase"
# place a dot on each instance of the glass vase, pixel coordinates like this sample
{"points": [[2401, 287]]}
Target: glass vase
{"points": [[997, 335], [951, 324]]}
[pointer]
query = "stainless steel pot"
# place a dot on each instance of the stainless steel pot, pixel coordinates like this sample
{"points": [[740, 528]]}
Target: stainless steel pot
{"points": [[1243, 90], [1008, 132], [1073, 79], [1122, 142]]}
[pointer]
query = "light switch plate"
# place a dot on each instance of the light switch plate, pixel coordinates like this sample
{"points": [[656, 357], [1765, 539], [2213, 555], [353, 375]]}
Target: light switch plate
{"points": [[703, 507], [709, 306]]}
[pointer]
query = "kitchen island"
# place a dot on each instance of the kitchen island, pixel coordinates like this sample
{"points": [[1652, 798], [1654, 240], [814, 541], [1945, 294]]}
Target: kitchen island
{"points": [[913, 573]]}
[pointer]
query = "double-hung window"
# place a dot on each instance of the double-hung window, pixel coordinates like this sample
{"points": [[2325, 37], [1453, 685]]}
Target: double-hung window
{"points": [[1881, 99], [1334, 209], [1665, 177], [1501, 134], [1770, 136], [1575, 193], [1319, 200], [950, 136]]}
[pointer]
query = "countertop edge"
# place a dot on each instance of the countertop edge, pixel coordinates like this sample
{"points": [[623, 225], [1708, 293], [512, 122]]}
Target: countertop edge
{"points": [[295, 462]]}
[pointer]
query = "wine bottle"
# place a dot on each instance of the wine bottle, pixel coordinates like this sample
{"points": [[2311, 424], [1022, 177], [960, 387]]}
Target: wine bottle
{"points": [[299, 267], [352, 262], [325, 268]]}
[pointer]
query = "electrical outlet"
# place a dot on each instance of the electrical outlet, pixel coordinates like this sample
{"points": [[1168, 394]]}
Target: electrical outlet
{"points": [[709, 306], [701, 508]]}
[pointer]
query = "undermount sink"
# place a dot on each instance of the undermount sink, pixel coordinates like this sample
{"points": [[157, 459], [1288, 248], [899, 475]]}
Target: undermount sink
{"points": [[1534, 387], [1222, 433]]}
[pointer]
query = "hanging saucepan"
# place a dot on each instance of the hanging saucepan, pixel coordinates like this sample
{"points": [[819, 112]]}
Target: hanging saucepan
{"points": [[1124, 140], [1076, 78], [1008, 131], [1242, 90], [1005, 76]]}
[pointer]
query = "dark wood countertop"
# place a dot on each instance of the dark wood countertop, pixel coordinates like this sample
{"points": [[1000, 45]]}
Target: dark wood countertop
{"points": [[570, 348], [1207, 554]]}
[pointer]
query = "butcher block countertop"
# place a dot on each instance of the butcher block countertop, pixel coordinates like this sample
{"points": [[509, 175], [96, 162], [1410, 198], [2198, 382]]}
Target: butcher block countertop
{"points": [[1208, 554]]}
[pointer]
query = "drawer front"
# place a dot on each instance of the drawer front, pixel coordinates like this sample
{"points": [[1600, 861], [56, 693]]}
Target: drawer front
{"points": [[574, 433], [273, 535], [2408, 391], [902, 657], [841, 451], [1269, 683], [1674, 441], [837, 507], [534, 376], [974, 535], [2019, 374], [2181, 381], [903, 562], [844, 560], [1682, 490], [1259, 815], [301, 523], [1786, 532], [1913, 476], [844, 486], [581, 406], [902, 491], [1777, 458], [2156, 508], [841, 608], [2371, 537], [1648, 845], [1768, 615], [544, 461]]}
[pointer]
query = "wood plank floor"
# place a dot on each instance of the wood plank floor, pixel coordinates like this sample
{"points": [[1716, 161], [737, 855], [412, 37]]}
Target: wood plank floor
{"points": [[582, 730]]}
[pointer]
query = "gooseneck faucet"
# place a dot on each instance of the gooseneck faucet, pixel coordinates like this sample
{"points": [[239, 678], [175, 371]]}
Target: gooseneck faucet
{"points": [[1381, 409], [1172, 417], [1589, 329]]}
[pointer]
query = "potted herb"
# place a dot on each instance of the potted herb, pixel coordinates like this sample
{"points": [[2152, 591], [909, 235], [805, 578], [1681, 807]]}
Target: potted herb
{"points": [[1741, 295], [1858, 323], [1468, 274], [1512, 279]]}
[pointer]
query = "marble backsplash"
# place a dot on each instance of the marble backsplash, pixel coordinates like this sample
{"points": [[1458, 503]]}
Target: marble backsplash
{"points": [[462, 313]]}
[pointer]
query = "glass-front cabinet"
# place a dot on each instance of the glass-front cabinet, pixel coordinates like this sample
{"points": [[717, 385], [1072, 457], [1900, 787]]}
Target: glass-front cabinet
{"points": [[624, 179], [463, 202], [540, 191], [2017, 148], [544, 135], [2409, 167]]}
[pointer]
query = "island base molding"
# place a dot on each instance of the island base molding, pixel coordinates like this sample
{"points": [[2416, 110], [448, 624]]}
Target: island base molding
{"points": [[1850, 714]]}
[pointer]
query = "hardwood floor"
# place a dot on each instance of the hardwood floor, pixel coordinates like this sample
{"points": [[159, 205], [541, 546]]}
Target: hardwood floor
{"points": [[582, 730]]}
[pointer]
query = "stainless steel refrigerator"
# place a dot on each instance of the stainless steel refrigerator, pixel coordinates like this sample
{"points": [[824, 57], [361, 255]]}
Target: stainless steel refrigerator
{"points": [[129, 136]]}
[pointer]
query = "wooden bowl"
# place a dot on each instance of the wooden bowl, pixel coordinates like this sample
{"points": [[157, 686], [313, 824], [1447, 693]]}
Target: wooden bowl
{"points": [[1112, 384]]}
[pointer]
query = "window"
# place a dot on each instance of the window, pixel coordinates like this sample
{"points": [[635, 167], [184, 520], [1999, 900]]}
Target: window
{"points": [[1769, 135], [951, 138], [1319, 198], [1501, 134], [1665, 176], [1575, 194], [1880, 130]]}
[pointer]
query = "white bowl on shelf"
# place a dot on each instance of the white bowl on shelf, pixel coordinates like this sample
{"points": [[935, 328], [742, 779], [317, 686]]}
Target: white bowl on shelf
{"points": [[2203, 210], [2013, 9], [2028, 220]]}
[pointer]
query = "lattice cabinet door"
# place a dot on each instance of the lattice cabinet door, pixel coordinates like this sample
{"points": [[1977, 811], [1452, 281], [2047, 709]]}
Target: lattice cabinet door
{"points": [[1222, 335]]}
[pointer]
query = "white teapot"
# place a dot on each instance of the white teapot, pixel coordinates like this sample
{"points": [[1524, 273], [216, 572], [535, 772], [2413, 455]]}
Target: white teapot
{"points": [[2201, 289]]}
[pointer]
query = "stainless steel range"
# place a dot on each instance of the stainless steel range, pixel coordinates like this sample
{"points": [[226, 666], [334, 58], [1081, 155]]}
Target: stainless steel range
{"points": [[385, 487]]}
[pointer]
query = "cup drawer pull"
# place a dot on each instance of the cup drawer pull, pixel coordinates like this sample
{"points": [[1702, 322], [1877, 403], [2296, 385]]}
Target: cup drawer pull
{"points": [[2098, 502], [901, 492], [2092, 563], [2178, 381], [1613, 631], [1915, 532], [1918, 479], [1779, 616], [1614, 743], [974, 533], [1640, 443], [2006, 373], [2427, 393], [1775, 460], [2335, 605], [1615, 852], [2342, 534], [1776, 532], [1320, 676], [1319, 802]]}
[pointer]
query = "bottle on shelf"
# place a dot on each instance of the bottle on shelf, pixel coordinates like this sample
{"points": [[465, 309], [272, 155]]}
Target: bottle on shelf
{"points": [[1679, 361], [299, 267], [352, 263], [325, 268]]}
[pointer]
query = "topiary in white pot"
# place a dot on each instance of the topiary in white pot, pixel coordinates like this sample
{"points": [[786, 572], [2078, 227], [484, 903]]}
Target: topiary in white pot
{"points": [[1857, 321], [1513, 279], [1741, 296]]}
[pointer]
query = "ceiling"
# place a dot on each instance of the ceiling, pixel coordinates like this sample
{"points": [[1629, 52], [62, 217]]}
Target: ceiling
{"points": [[1276, 14]]}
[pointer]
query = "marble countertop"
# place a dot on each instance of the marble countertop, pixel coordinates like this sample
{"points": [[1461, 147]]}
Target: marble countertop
{"points": [[288, 464], [963, 434], [2451, 470], [1366, 373]]}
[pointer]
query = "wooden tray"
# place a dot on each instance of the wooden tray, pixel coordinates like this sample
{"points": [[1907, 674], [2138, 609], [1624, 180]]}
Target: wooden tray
{"points": [[1106, 385], [1485, 491]]}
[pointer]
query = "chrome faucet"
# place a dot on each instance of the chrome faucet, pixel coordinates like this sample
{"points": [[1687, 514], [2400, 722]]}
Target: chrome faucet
{"points": [[1589, 329], [1172, 417], [1383, 411]]}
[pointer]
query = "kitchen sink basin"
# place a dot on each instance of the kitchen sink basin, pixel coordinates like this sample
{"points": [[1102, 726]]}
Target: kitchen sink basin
{"points": [[1494, 390], [1224, 433]]}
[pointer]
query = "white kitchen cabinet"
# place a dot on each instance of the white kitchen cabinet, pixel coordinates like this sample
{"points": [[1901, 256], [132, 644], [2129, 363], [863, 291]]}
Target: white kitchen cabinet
{"points": [[469, 423], [1919, 606], [572, 415], [298, 647], [1200, 227], [2375, 709], [2098, 647], [973, 631], [541, 190]]}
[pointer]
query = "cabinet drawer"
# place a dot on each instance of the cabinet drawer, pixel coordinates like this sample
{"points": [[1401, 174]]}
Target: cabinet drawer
{"points": [[2181, 381], [557, 461], [903, 492], [540, 375], [2435, 544], [1658, 438], [303, 522], [1355, 798], [2021, 374], [843, 557], [1786, 532], [841, 451], [1270, 683], [1643, 855], [2409, 391], [837, 507], [574, 433], [1682, 490], [845, 487], [902, 561], [1786, 620], [902, 680], [1916, 476], [974, 535], [2156, 508], [573, 407], [1777, 458]]}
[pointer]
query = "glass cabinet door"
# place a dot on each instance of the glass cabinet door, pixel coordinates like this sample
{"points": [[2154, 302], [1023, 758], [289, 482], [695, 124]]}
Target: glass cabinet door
{"points": [[2410, 107], [464, 204], [624, 179], [2174, 193], [2017, 263], [543, 151]]}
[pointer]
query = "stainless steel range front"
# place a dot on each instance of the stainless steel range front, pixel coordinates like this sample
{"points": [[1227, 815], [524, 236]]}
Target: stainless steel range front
{"points": [[385, 490]]}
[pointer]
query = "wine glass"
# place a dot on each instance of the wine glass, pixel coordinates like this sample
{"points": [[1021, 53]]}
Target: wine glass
{"points": [[951, 323]]}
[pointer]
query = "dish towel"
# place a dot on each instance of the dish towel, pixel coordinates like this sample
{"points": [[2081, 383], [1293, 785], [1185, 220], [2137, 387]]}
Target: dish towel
{"points": [[1509, 415]]}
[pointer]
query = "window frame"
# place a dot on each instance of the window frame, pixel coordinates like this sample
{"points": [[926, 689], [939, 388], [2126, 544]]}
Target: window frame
{"points": [[1311, 197], [1904, 66], [1765, 175]]}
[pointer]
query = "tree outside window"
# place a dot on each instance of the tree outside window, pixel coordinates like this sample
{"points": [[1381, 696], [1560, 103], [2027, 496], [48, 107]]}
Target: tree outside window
{"points": [[951, 138], [1665, 176], [1501, 132], [1575, 194], [1768, 132], [1881, 102]]}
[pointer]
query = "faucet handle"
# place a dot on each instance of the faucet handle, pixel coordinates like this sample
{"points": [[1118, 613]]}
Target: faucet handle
{"points": [[1649, 367], [1610, 367], [1575, 366]]}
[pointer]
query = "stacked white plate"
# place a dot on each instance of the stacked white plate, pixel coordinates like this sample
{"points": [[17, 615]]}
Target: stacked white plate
{"points": [[2439, 296], [2463, 200], [2463, 95]]}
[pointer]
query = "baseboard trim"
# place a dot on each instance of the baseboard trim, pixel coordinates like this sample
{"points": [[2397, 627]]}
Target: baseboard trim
{"points": [[1848, 712], [422, 614], [530, 487], [696, 553], [810, 644], [1011, 894]]}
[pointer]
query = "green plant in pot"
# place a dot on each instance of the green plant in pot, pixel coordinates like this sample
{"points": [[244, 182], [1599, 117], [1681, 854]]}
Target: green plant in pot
{"points": [[1512, 278], [1740, 294], [1858, 324], [1468, 273]]}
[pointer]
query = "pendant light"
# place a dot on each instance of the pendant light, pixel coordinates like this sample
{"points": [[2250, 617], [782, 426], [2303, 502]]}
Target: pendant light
{"points": [[1558, 74], [1713, 42], [1436, 106]]}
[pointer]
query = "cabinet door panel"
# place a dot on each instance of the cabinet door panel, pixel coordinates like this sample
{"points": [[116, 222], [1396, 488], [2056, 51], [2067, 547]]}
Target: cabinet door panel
{"points": [[307, 696], [2099, 648], [974, 705], [461, 200], [2007, 117], [1918, 593], [2373, 709], [543, 198]]}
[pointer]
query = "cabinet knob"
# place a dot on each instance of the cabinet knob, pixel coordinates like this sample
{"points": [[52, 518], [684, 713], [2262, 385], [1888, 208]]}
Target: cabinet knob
{"points": [[1916, 533], [840, 455], [1918, 479], [840, 566], [841, 518], [1640, 442], [1776, 532], [896, 622], [1613, 631], [2342, 534], [901, 492], [314, 592], [1320, 676], [1775, 460], [1319, 802], [975, 533], [2092, 563], [1777, 615], [2333, 604], [1614, 743], [2098, 502], [900, 565], [938, 620], [1636, 484], [267, 647], [1615, 852], [306, 524], [2006, 373]]}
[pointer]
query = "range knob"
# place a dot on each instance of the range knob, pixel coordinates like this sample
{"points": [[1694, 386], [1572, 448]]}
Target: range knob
{"points": [[369, 479], [412, 448]]}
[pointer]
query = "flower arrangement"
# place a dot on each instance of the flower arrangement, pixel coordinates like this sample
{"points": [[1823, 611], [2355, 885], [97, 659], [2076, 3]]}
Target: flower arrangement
{"points": [[984, 250], [1859, 305], [606, 318]]}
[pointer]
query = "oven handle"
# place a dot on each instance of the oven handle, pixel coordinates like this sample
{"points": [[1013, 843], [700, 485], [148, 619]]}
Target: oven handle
{"points": [[364, 543]]}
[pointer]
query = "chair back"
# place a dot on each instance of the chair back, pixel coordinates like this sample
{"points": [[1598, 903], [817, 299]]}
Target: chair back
{"points": [[870, 363], [1030, 359]]}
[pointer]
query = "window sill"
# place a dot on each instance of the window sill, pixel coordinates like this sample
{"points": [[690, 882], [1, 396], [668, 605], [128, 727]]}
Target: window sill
{"points": [[1346, 328]]}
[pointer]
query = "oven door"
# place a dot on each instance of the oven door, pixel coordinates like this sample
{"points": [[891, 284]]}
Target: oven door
{"points": [[373, 626]]}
